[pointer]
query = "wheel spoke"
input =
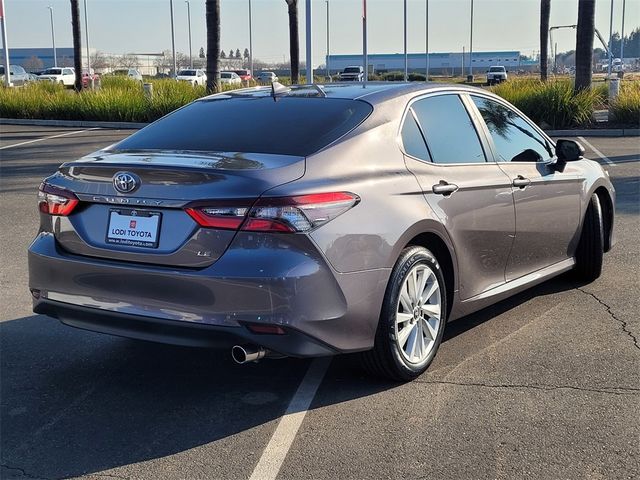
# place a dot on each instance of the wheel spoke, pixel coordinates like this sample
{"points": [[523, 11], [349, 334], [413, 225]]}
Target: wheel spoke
{"points": [[432, 311], [403, 335], [405, 301], [412, 341], [428, 293], [432, 329], [403, 318]]}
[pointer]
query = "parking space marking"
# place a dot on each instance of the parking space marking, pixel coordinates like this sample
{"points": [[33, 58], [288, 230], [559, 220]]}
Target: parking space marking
{"points": [[276, 450], [596, 151], [48, 138]]}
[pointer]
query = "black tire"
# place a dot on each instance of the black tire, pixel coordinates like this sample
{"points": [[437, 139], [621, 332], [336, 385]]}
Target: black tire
{"points": [[385, 359], [590, 251]]}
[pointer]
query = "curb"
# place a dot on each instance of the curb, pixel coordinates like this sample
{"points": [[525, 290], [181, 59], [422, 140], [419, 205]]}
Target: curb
{"points": [[71, 123], [595, 132], [604, 132]]}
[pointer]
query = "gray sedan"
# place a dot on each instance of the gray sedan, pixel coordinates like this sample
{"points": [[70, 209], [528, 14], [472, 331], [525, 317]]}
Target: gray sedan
{"points": [[317, 220]]}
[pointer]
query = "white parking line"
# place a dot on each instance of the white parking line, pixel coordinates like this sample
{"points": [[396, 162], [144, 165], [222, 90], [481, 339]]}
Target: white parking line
{"points": [[276, 450], [47, 138], [596, 151]]}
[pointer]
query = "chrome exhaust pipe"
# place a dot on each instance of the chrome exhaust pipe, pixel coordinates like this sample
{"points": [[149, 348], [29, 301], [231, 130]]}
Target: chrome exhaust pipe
{"points": [[248, 353]]}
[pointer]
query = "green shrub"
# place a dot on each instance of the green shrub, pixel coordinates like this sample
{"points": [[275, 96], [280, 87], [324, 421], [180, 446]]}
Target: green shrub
{"points": [[552, 104], [626, 107]]}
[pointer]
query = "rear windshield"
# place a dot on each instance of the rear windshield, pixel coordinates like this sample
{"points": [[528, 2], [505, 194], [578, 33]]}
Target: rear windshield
{"points": [[187, 73], [53, 71], [233, 123], [352, 70], [496, 69]]}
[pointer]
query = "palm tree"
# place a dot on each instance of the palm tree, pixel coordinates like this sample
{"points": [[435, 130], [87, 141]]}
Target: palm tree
{"points": [[294, 41], [77, 45], [213, 45], [584, 43], [545, 13]]}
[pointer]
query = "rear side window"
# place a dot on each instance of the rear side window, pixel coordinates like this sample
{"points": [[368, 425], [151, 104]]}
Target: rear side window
{"points": [[450, 134], [514, 138], [412, 139], [235, 123]]}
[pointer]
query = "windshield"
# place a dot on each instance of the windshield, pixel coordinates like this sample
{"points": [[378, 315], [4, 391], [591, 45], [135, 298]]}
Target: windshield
{"points": [[290, 126], [53, 71], [496, 69], [352, 70], [225, 75], [242, 72], [187, 73]]}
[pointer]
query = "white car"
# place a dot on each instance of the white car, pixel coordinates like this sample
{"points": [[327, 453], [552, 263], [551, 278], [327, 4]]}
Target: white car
{"points": [[63, 75], [497, 74], [230, 78], [17, 75], [194, 76], [132, 73], [267, 77]]}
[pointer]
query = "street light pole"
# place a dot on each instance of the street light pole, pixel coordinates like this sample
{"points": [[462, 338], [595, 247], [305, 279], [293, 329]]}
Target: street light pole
{"points": [[53, 38], [5, 46], [622, 36], [189, 22], [173, 42], [406, 58], [309, 53], [328, 70], [610, 41], [427, 40], [250, 43], [86, 32], [471, 45]]}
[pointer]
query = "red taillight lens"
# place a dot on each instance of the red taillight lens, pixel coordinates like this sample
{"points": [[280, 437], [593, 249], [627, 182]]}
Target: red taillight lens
{"points": [[56, 201], [279, 214], [298, 214]]}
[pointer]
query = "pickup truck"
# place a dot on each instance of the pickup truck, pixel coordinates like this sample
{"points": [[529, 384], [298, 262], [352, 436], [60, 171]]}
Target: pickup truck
{"points": [[497, 74], [352, 74]]}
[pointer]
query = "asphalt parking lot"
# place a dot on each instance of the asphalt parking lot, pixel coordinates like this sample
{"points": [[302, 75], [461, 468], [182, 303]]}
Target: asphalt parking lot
{"points": [[543, 385]]}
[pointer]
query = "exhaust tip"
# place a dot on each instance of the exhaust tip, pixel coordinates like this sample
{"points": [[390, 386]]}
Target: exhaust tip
{"points": [[239, 354]]}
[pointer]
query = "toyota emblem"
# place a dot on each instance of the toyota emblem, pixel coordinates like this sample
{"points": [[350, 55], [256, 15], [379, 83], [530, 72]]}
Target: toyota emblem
{"points": [[125, 182]]}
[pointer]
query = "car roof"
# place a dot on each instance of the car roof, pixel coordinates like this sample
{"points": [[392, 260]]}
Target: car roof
{"points": [[372, 92]]}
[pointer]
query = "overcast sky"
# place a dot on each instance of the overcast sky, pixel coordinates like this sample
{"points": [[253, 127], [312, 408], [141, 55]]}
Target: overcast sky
{"points": [[140, 26]]}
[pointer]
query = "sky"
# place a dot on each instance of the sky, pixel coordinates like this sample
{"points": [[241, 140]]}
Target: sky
{"points": [[143, 26]]}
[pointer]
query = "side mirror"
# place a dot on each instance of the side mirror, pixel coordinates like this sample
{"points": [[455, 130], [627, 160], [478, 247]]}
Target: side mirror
{"points": [[568, 150]]}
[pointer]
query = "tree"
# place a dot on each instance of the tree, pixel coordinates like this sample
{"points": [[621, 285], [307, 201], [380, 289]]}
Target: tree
{"points": [[201, 54], [128, 60], [246, 54], [545, 13], [33, 64], [584, 43], [231, 54], [99, 61], [77, 45], [222, 54], [212, 16], [238, 54], [294, 41]]}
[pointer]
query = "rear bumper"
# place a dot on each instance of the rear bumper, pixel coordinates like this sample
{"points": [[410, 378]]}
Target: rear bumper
{"points": [[272, 279]]}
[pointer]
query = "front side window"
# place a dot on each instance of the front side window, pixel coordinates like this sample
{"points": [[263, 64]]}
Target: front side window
{"points": [[450, 134], [514, 138]]}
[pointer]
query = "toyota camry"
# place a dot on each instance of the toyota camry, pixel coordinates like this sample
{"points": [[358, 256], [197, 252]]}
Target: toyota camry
{"points": [[315, 220]]}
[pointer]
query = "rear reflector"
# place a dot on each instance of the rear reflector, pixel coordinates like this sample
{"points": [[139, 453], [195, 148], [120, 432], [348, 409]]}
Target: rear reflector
{"points": [[264, 329], [56, 201], [279, 214]]}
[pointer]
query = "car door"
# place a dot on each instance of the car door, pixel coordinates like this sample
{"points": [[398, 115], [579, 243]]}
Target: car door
{"points": [[547, 201], [68, 76], [466, 189]]}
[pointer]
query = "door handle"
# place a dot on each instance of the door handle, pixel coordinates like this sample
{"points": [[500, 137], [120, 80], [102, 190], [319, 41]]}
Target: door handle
{"points": [[521, 182], [444, 188]]}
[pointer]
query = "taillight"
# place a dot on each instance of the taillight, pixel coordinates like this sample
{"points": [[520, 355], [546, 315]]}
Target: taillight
{"points": [[298, 214], [56, 201], [279, 214]]}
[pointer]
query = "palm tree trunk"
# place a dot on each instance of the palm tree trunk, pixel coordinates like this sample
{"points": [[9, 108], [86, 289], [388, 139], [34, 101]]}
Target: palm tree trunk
{"points": [[584, 43], [294, 41], [545, 13], [213, 45], [77, 45]]}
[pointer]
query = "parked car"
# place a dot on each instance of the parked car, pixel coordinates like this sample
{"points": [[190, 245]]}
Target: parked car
{"points": [[352, 220], [230, 78], [87, 77], [32, 77], [266, 77], [352, 74], [17, 75], [132, 73], [245, 75], [497, 74], [63, 75], [194, 76]]}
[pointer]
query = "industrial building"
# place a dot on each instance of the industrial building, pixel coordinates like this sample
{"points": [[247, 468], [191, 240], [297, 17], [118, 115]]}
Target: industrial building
{"points": [[451, 63]]}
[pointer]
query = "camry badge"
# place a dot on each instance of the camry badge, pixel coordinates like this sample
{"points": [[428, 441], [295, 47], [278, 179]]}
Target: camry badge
{"points": [[125, 182]]}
